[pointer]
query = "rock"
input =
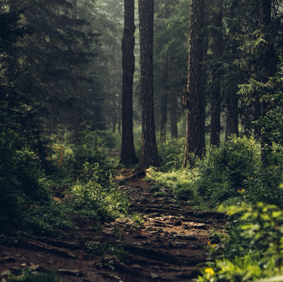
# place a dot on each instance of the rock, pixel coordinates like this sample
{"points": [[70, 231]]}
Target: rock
{"points": [[111, 275], [137, 267], [34, 267], [70, 272], [122, 220], [153, 275], [198, 225]]}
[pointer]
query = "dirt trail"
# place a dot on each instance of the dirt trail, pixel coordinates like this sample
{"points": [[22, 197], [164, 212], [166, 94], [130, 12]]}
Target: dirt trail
{"points": [[168, 246]]}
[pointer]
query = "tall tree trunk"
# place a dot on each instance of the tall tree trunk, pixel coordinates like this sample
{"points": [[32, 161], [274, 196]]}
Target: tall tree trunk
{"points": [[163, 117], [215, 95], [204, 93], [268, 70], [164, 104], [74, 111], [53, 123], [149, 154], [232, 114], [194, 142], [128, 155], [173, 115]]}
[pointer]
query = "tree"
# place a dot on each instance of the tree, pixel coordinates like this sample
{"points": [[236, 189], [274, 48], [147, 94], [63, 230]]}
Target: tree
{"points": [[170, 61], [215, 93], [262, 43], [149, 154], [128, 155], [194, 142], [233, 77]]}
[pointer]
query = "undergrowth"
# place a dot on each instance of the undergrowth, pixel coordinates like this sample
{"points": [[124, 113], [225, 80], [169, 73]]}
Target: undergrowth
{"points": [[87, 172], [233, 179]]}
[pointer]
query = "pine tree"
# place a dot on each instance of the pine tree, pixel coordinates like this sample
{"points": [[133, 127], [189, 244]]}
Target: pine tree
{"points": [[128, 155], [149, 155], [194, 87]]}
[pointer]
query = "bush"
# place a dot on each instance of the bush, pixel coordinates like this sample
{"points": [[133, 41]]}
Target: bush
{"points": [[254, 251], [171, 153], [90, 173], [19, 179], [225, 171]]}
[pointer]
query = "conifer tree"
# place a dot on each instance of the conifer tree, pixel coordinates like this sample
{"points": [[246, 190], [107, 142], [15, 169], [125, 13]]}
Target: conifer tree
{"points": [[149, 155], [128, 155], [194, 144]]}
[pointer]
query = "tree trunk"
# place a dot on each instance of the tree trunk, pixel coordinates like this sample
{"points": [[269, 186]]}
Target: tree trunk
{"points": [[194, 142], [74, 118], [232, 119], [128, 155], [53, 122], [268, 70], [215, 95], [232, 114], [173, 116], [149, 156], [163, 117], [204, 93]]}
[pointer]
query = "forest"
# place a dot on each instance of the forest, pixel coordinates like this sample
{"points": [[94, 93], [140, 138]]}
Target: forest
{"points": [[141, 140]]}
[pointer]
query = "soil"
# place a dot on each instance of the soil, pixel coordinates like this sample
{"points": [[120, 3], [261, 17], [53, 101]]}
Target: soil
{"points": [[169, 245]]}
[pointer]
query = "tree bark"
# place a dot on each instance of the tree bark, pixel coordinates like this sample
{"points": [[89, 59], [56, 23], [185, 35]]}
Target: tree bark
{"points": [[267, 70], [173, 115], [232, 117], [74, 111], [128, 155], [215, 95], [149, 156], [194, 142], [163, 117], [232, 114]]}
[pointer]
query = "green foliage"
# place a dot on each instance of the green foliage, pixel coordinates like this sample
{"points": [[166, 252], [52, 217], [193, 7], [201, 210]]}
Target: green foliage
{"points": [[226, 170], [19, 179], [228, 175], [181, 182], [171, 153], [89, 171], [93, 200], [255, 250], [41, 219], [138, 218], [27, 275]]}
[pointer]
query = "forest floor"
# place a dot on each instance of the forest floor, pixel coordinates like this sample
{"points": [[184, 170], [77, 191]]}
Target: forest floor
{"points": [[170, 244]]}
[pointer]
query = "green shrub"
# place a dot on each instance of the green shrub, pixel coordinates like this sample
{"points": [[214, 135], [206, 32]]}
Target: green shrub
{"points": [[254, 248], [93, 200], [225, 171], [171, 153], [19, 180]]}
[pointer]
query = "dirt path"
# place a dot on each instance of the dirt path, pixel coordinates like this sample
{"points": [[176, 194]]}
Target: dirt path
{"points": [[168, 246]]}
